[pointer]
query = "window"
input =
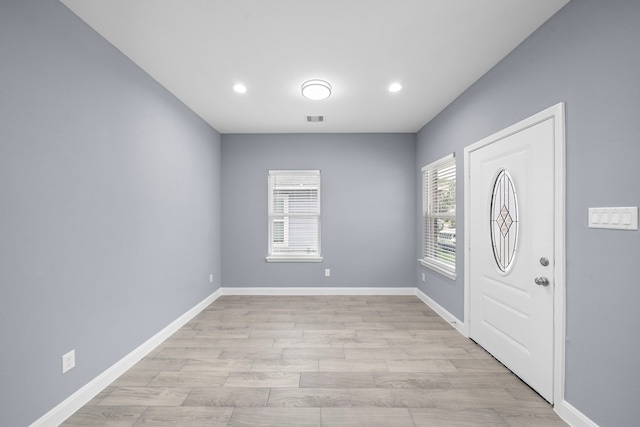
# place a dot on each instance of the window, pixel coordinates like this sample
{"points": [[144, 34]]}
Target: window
{"points": [[294, 216], [439, 216]]}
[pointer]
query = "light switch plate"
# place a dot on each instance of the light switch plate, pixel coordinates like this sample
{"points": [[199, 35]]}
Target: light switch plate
{"points": [[618, 218]]}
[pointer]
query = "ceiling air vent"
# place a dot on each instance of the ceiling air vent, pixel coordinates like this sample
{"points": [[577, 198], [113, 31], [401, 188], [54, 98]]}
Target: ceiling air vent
{"points": [[315, 119]]}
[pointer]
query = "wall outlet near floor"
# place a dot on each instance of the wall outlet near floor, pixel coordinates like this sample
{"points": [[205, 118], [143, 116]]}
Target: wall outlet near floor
{"points": [[68, 361], [211, 278], [327, 272], [423, 277]]}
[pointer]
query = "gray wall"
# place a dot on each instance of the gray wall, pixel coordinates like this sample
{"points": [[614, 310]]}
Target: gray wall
{"points": [[110, 200], [368, 208], [587, 55], [109, 207]]}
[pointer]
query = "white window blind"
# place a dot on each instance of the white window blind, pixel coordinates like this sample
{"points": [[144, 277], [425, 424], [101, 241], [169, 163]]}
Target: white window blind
{"points": [[439, 216], [294, 216]]}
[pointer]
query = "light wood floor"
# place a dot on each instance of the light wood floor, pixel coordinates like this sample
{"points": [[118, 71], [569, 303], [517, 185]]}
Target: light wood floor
{"points": [[317, 361]]}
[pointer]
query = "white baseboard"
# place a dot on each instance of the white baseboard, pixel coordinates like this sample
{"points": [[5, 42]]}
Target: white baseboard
{"points": [[294, 291], [572, 416], [457, 324], [78, 399], [64, 410]]}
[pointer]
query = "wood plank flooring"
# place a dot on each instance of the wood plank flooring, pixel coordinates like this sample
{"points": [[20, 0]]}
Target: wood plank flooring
{"points": [[317, 361]]}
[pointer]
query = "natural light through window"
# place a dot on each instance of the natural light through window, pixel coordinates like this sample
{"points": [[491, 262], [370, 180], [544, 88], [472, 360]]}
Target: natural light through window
{"points": [[439, 216], [294, 216]]}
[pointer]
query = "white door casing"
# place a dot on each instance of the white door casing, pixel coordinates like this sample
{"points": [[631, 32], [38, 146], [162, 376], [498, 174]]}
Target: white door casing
{"points": [[517, 320]]}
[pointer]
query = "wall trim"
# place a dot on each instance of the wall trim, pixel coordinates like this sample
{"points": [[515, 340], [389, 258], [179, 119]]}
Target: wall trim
{"points": [[82, 396], [572, 416], [442, 312], [71, 404], [302, 291]]}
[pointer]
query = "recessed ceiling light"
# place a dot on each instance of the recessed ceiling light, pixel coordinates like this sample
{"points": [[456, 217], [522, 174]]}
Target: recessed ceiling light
{"points": [[316, 89], [395, 87], [240, 88]]}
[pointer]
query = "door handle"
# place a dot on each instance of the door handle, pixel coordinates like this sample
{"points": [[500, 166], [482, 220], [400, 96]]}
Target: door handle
{"points": [[541, 281]]}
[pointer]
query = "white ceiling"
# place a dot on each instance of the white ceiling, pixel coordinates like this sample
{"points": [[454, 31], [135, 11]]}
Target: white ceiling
{"points": [[198, 49]]}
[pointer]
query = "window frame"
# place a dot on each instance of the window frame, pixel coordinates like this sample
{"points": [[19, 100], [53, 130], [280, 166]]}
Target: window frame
{"points": [[430, 238], [285, 219]]}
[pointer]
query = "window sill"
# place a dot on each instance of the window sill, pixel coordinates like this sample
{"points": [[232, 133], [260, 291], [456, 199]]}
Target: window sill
{"points": [[438, 268], [294, 259]]}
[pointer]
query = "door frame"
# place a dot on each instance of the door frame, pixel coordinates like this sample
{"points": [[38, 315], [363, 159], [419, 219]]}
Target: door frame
{"points": [[556, 113]]}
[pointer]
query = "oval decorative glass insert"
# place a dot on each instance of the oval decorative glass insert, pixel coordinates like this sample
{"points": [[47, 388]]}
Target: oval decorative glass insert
{"points": [[503, 218]]}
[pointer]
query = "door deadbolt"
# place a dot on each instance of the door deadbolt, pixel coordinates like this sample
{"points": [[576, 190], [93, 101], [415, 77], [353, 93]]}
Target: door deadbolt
{"points": [[544, 261]]}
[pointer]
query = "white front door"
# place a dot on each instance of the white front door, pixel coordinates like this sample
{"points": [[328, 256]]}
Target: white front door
{"points": [[511, 251]]}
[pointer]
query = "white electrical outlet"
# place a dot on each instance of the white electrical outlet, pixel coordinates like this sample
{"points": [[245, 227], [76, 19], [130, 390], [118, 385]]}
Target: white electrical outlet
{"points": [[68, 361], [327, 272], [423, 278], [211, 278]]}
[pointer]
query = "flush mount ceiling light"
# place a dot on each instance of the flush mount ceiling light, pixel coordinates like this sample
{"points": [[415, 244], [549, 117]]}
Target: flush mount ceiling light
{"points": [[316, 89]]}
